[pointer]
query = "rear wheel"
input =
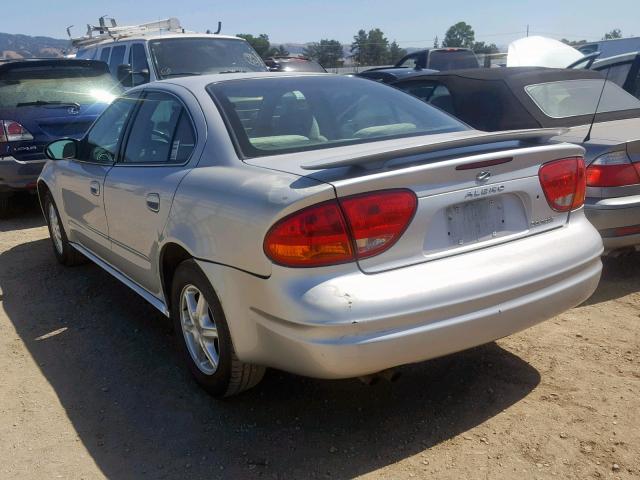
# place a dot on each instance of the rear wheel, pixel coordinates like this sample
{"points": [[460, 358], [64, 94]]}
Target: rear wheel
{"points": [[64, 252], [203, 335]]}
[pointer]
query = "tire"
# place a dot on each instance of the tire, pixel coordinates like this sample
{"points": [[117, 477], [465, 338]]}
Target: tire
{"points": [[64, 252], [204, 341]]}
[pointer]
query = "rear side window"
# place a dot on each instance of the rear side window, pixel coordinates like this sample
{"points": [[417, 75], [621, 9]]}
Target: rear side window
{"points": [[573, 98], [117, 58], [104, 54], [161, 133]]}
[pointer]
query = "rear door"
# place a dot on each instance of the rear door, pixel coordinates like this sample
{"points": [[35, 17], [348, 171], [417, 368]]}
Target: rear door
{"points": [[139, 189]]}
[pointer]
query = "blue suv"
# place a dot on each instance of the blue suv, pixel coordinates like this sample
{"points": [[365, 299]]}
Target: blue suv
{"points": [[40, 101]]}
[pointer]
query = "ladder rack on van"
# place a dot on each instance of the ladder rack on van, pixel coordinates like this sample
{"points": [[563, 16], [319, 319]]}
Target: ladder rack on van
{"points": [[114, 32]]}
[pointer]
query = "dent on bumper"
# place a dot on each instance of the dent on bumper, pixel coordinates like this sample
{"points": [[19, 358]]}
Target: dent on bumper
{"points": [[342, 323]]}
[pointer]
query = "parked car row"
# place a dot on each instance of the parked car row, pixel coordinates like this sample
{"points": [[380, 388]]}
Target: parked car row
{"points": [[334, 226]]}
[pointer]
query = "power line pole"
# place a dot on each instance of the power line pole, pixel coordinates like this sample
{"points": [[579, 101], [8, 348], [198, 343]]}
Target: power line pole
{"points": [[527, 29]]}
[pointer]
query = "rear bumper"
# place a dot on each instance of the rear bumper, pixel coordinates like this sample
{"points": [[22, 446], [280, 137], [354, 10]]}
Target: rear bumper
{"points": [[611, 213], [338, 323], [16, 175]]}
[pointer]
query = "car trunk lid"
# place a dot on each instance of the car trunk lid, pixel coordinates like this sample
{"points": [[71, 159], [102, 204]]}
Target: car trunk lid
{"points": [[473, 191]]}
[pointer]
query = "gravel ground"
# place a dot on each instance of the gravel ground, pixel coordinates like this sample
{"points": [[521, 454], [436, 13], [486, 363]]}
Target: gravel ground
{"points": [[90, 387]]}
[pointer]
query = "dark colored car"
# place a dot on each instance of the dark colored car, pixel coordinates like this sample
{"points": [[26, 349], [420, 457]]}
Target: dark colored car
{"points": [[293, 64], [424, 61], [623, 70], [529, 97], [40, 101]]}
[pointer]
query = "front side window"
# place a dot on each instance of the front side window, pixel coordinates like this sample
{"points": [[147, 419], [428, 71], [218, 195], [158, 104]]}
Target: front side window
{"points": [[617, 73], [139, 64], [178, 57], [573, 98], [290, 114], [161, 132], [101, 143], [410, 62]]}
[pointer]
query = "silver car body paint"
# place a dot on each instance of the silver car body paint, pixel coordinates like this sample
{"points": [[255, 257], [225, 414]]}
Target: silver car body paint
{"points": [[421, 299]]}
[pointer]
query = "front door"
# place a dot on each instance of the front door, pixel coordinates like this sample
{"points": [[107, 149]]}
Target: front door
{"points": [[81, 180], [139, 189]]}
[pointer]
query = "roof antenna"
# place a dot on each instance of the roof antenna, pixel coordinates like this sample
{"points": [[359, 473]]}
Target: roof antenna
{"points": [[593, 120], [69, 30], [219, 28]]}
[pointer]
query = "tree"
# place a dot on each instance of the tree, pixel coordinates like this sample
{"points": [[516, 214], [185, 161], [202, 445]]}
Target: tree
{"points": [[260, 44], [459, 35], [481, 47], [395, 52], [370, 48], [613, 34], [327, 53], [281, 51], [436, 42]]}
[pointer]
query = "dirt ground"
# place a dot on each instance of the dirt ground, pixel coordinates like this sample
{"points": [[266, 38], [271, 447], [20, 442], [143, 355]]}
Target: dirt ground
{"points": [[90, 387]]}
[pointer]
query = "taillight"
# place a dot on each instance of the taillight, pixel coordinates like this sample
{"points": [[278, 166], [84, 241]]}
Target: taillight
{"points": [[378, 219], [563, 182], [613, 169], [329, 233], [11, 131], [314, 236]]}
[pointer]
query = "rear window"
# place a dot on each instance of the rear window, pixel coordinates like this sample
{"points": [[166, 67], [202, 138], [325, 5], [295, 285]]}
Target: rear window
{"points": [[293, 114], [573, 98], [452, 59], [33, 85]]}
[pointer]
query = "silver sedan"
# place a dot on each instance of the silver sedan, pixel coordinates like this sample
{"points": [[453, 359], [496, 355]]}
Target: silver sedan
{"points": [[324, 225]]}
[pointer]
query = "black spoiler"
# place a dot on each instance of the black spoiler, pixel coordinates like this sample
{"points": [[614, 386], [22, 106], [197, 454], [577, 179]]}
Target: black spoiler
{"points": [[480, 138]]}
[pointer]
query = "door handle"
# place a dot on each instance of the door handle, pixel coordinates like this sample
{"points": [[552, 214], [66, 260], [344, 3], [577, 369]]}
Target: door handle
{"points": [[94, 187], [153, 202]]}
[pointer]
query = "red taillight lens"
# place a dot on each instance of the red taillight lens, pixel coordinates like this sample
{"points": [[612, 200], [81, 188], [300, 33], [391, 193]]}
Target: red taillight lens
{"points": [[312, 237], [613, 169], [377, 220], [13, 132], [564, 184], [320, 235]]}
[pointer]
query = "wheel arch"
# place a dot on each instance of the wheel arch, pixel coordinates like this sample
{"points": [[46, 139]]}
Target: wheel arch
{"points": [[43, 189], [171, 255]]}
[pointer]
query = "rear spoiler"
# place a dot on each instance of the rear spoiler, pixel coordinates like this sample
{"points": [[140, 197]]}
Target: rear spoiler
{"points": [[480, 138]]}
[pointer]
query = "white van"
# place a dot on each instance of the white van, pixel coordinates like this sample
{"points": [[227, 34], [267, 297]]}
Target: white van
{"points": [[144, 53]]}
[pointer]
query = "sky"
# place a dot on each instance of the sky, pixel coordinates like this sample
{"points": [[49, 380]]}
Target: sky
{"points": [[409, 22]]}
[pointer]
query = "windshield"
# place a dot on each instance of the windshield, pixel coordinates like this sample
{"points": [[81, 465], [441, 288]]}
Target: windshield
{"points": [[572, 98], [175, 57], [41, 85], [292, 114]]}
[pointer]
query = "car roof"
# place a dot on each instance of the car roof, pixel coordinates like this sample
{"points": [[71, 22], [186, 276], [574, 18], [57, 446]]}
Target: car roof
{"points": [[398, 72], [603, 62], [14, 64], [159, 36]]}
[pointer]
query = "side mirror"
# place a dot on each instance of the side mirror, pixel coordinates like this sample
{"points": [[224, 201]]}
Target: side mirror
{"points": [[141, 77], [124, 73], [62, 149]]}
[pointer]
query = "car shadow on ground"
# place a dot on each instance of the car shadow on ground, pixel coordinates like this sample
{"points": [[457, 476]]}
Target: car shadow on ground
{"points": [[620, 277], [24, 212], [110, 358]]}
